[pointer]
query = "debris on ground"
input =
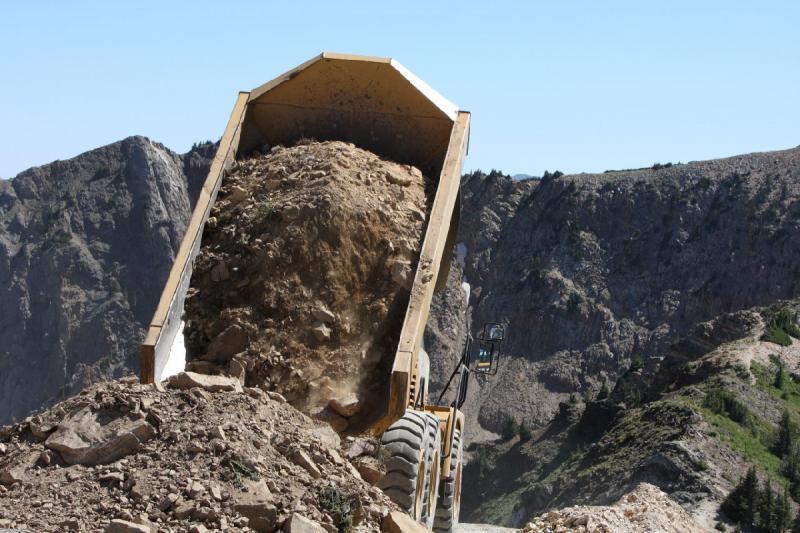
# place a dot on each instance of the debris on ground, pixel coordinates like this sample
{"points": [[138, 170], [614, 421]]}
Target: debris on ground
{"points": [[301, 283], [122, 456], [646, 509]]}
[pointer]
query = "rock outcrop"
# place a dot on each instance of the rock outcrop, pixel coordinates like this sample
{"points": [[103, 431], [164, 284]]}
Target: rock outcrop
{"points": [[85, 246], [590, 271]]}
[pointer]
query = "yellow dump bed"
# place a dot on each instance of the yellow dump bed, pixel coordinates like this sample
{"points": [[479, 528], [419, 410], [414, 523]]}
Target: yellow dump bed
{"points": [[376, 104]]}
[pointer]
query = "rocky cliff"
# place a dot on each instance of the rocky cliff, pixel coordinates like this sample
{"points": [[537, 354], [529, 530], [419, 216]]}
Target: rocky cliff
{"points": [[85, 246], [592, 270]]}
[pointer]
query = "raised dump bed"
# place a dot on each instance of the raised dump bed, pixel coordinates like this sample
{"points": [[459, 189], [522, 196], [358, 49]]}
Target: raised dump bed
{"points": [[372, 104]]}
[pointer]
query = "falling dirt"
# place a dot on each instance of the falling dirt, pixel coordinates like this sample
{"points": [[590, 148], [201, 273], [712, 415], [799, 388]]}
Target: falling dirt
{"points": [[302, 279]]}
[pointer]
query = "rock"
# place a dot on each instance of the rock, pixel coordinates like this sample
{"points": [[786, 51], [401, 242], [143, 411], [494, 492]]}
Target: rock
{"points": [[322, 313], [236, 369], [142, 520], [254, 392], [321, 331], [195, 489], [400, 522], [199, 528], [300, 524], [276, 396], [40, 431], [256, 505], [218, 433], [370, 469], [346, 406], [168, 501], [237, 195], [400, 270], [88, 437], [188, 380], [113, 477], [70, 524], [183, 510], [327, 436], [360, 446], [301, 458], [122, 526], [3, 449], [230, 342], [220, 272], [47, 457], [398, 179], [336, 421], [17, 469]]}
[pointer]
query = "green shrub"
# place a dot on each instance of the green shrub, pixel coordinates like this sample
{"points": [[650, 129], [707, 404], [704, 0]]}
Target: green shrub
{"points": [[777, 336], [723, 402], [524, 432], [781, 326], [241, 470], [332, 500], [266, 209]]}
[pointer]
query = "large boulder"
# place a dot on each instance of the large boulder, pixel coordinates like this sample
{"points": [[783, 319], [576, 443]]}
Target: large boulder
{"points": [[256, 503], [300, 524], [400, 522], [189, 380], [98, 437]]}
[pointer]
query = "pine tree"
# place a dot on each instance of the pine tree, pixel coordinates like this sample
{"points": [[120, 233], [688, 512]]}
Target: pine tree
{"points": [[783, 513], [780, 377], [786, 431], [796, 523], [766, 508], [742, 503]]}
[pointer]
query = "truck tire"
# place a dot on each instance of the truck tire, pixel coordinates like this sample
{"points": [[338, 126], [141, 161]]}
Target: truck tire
{"points": [[434, 468], [407, 477], [450, 490]]}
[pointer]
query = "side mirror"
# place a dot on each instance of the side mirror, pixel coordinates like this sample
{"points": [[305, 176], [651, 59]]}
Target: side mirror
{"points": [[489, 341]]}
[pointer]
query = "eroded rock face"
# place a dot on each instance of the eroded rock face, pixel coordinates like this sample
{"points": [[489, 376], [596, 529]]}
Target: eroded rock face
{"points": [[591, 270], [85, 245], [98, 437]]}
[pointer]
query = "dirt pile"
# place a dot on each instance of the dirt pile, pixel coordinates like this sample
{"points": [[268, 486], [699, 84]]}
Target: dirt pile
{"points": [[303, 276], [184, 460], [644, 510]]}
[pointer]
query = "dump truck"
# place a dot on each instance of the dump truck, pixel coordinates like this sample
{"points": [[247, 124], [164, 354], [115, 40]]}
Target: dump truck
{"points": [[378, 105]]}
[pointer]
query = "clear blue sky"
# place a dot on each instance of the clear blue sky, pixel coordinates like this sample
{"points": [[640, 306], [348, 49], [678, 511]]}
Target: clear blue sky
{"points": [[569, 85]]}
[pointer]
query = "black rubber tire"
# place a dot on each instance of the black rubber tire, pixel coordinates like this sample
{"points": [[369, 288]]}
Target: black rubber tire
{"points": [[434, 463], [447, 508], [406, 442]]}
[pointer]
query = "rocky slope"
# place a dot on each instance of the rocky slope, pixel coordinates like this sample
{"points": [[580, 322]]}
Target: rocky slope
{"points": [[204, 454], [592, 270], [691, 425], [85, 245]]}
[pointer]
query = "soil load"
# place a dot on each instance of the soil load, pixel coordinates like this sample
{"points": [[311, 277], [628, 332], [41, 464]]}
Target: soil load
{"points": [[303, 276]]}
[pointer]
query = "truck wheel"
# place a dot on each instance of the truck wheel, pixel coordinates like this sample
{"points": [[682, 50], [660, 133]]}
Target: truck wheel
{"points": [[407, 475], [434, 461], [450, 490]]}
